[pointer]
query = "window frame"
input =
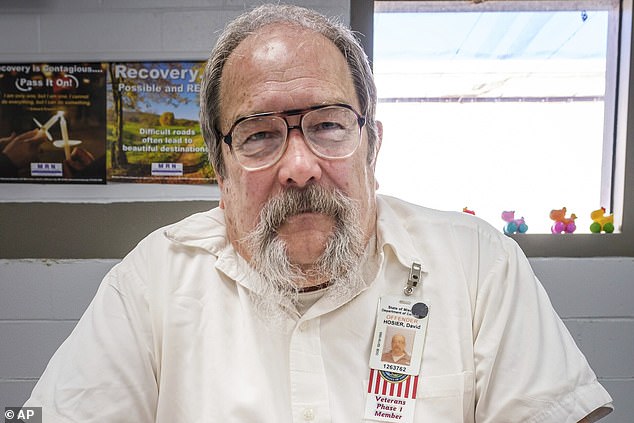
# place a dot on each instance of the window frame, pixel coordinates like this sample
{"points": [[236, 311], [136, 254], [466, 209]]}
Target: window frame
{"points": [[622, 181]]}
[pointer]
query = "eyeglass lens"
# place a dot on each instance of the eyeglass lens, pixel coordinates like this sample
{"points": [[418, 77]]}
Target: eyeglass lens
{"points": [[331, 132]]}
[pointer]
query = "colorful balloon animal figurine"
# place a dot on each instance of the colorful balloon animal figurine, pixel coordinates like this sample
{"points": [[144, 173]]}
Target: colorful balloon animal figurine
{"points": [[562, 223], [513, 225], [601, 222]]}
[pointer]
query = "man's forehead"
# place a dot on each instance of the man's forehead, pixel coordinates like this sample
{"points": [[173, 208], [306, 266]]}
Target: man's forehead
{"points": [[283, 58], [282, 43], [280, 29], [275, 39]]}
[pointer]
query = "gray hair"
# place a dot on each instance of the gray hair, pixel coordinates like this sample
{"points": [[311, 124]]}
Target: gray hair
{"points": [[249, 23]]}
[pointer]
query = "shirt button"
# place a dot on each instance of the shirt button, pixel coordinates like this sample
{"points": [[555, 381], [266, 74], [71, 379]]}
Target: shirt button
{"points": [[309, 414], [304, 326]]}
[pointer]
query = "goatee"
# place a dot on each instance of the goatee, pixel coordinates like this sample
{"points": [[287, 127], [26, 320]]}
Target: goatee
{"points": [[338, 265]]}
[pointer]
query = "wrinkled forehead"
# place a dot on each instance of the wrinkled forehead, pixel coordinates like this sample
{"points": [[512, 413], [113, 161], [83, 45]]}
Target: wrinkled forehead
{"points": [[284, 43], [284, 56], [278, 42]]}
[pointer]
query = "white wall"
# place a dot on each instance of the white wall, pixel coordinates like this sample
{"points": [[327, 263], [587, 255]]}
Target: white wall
{"points": [[110, 30], [41, 300]]}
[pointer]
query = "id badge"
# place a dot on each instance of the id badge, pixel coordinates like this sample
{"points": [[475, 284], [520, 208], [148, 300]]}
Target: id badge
{"points": [[399, 335], [395, 359]]}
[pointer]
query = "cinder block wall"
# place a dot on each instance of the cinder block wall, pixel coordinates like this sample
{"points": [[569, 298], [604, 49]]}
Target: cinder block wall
{"points": [[93, 30], [594, 296], [41, 300]]}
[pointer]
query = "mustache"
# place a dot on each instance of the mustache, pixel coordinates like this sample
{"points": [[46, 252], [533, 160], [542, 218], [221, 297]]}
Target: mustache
{"points": [[312, 199], [338, 264]]}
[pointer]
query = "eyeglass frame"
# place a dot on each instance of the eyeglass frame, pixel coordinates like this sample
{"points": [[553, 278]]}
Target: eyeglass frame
{"points": [[227, 139]]}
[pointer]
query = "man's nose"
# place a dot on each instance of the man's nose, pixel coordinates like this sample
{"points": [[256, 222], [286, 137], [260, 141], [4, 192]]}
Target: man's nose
{"points": [[299, 166]]}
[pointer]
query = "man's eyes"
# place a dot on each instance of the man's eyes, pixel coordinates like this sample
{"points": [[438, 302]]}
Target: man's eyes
{"points": [[327, 126], [260, 136]]}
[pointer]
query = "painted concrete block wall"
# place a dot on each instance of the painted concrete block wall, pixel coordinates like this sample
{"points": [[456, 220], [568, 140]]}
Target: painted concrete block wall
{"points": [[595, 299], [41, 301], [40, 304], [111, 30]]}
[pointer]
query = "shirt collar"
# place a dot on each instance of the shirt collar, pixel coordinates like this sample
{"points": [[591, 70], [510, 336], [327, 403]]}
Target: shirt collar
{"points": [[204, 230], [392, 232]]}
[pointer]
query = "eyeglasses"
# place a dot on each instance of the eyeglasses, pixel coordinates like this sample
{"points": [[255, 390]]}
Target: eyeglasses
{"points": [[331, 131]]}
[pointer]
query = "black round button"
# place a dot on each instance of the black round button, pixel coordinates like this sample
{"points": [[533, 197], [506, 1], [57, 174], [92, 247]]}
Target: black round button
{"points": [[420, 310]]}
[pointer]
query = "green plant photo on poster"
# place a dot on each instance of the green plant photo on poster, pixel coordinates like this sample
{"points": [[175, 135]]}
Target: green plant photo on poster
{"points": [[153, 132]]}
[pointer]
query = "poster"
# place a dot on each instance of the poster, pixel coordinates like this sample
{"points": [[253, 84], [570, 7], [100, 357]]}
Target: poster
{"points": [[53, 123], [153, 127]]}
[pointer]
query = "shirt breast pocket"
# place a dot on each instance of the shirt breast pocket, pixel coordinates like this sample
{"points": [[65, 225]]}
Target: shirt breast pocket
{"points": [[445, 398]]}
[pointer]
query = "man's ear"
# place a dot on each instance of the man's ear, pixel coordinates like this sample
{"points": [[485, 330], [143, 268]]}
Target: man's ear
{"points": [[379, 140], [221, 183], [377, 147]]}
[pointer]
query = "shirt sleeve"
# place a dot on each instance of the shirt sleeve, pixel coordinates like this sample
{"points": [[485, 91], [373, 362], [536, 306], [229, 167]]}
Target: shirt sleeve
{"points": [[104, 371], [528, 367]]}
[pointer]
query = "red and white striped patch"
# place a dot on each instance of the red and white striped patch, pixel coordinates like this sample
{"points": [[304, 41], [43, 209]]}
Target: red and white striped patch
{"points": [[392, 384]]}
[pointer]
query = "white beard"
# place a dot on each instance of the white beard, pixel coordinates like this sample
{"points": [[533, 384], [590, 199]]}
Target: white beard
{"points": [[339, 264]]}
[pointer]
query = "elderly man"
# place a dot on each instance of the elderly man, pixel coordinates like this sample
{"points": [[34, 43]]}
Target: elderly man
{"points": [[397, 353], [263, 310]]}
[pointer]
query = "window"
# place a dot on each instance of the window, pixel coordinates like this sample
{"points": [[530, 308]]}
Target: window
{"points": [[505, 105]]}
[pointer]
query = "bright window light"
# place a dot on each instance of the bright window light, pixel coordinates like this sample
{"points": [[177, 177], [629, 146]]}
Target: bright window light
{"points": [[498, 106]]}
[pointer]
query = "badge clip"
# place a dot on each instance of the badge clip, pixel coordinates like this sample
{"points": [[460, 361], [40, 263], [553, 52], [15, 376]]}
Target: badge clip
{"points": [[414, 278]]}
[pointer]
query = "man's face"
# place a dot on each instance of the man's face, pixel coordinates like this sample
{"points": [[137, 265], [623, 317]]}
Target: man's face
{"points": [[398, 344], [282, 68]]}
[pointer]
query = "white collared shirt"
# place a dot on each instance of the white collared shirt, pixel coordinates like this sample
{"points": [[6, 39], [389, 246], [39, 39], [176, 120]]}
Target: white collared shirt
{"points": [[172, 336]]}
